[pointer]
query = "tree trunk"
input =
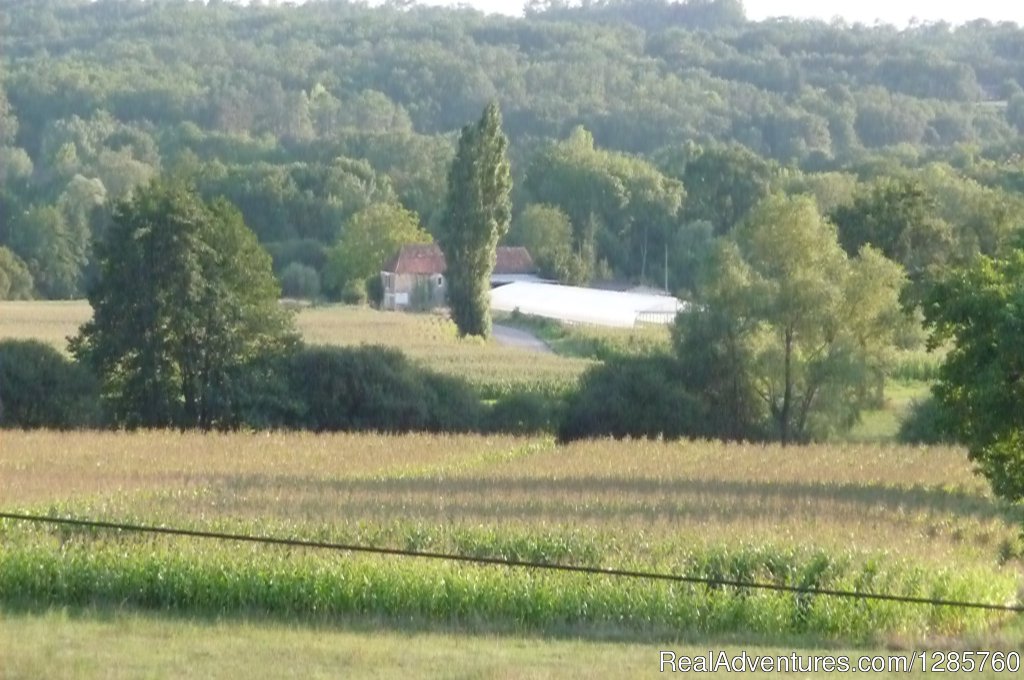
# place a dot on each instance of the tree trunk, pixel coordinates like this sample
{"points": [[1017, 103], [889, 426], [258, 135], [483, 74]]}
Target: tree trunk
{"points": [[787, 394], [643, 258]]}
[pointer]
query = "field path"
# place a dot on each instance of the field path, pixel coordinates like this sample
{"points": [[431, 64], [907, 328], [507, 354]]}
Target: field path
{"points": [[514, 337]]}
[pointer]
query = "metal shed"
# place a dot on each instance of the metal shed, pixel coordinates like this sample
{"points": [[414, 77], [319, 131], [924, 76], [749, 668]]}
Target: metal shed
{"points": [[573, 304]]}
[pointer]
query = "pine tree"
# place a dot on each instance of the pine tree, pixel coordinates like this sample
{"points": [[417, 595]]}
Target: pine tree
{"points": [[477, 214]]}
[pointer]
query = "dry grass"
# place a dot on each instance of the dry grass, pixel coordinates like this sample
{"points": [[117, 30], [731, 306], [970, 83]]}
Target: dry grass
{"points": [[50, 321], [47, 466]]}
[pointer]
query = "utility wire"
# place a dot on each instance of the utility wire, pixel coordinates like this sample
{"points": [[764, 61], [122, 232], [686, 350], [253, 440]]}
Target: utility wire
{"points": [[451, 557]]}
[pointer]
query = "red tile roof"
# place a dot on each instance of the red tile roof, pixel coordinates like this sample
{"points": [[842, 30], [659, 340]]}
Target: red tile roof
{"points": [[514, 260], [417, 259], [428, 259]]}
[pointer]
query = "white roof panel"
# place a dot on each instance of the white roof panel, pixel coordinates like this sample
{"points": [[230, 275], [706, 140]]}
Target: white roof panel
{"points": [[585, 305]]}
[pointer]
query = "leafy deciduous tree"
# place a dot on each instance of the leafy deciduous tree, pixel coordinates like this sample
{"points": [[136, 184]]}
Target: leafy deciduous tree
{"points": [[367, 240], [980, 309], [185, 303], [15, 279], [55, 253], [814, 325], [546, 232]]}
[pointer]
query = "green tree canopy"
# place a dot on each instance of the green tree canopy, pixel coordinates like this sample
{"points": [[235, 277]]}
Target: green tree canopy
{"points": [[621, 206], [980, 308], [722, 183], [367, 240], [546, 232], [814, 325], [15, 279], [184, 304], [54, 251], [898, 217], [477, 214]]}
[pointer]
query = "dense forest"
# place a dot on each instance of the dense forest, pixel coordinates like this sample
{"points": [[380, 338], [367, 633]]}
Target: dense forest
{"points": [[640, 130]]}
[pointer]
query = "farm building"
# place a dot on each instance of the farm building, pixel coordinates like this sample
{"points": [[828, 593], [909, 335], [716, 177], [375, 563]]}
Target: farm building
{"points": [[414, 277], [586, 305]]}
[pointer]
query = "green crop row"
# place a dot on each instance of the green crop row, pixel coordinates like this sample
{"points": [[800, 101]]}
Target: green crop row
{"points": [[916, 365], [53, 568]]}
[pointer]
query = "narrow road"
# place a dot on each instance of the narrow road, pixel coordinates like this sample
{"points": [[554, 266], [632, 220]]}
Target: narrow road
{"points": [[514, 337]]}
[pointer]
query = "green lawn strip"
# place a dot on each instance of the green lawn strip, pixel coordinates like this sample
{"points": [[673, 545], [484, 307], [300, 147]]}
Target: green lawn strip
{"points": [[112, 644]]}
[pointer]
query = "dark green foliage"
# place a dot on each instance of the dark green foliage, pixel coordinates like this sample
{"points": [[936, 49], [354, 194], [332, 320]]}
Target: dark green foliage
{"points": [[621, 208], [525, 413], [546, 232], [722, 183], [184, 302], [306, 251], [54, 251], [39, 387], [704, 390], [334, 107], [981, 384], [375, 388], [633, 397], [300, 281], [354, 292], [714, 362], [375, 291], [477, 214], [898, 217], [925, 423]]}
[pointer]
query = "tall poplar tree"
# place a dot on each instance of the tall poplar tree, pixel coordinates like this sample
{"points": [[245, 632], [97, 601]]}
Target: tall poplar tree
{"points": [[477, 214]]}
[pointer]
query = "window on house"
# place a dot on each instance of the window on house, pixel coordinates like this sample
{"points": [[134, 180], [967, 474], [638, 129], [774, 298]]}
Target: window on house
{"points": [[440, 279]]}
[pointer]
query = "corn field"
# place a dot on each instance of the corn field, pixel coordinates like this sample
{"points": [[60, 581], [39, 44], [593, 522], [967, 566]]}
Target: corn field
{"points": [[900, 520]]}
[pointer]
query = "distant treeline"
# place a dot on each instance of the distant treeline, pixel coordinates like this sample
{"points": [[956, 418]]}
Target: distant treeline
{"points": [[640, 130]]}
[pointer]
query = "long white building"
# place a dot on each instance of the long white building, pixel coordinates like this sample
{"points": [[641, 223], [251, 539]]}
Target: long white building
{"points": [[573, 304]]}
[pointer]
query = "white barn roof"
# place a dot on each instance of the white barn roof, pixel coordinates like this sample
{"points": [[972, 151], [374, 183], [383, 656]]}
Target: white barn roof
{"points": [[585, 305]]}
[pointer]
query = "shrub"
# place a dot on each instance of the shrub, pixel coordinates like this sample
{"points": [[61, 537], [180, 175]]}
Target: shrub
{"points": [[925, 424], [354, 293], [633, 397], [525, 413], [453, 403], [375, 388], [300, 281], [40, 387]]}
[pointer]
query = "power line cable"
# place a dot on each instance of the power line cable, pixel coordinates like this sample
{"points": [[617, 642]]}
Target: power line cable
{"points": [[496, 561]]}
